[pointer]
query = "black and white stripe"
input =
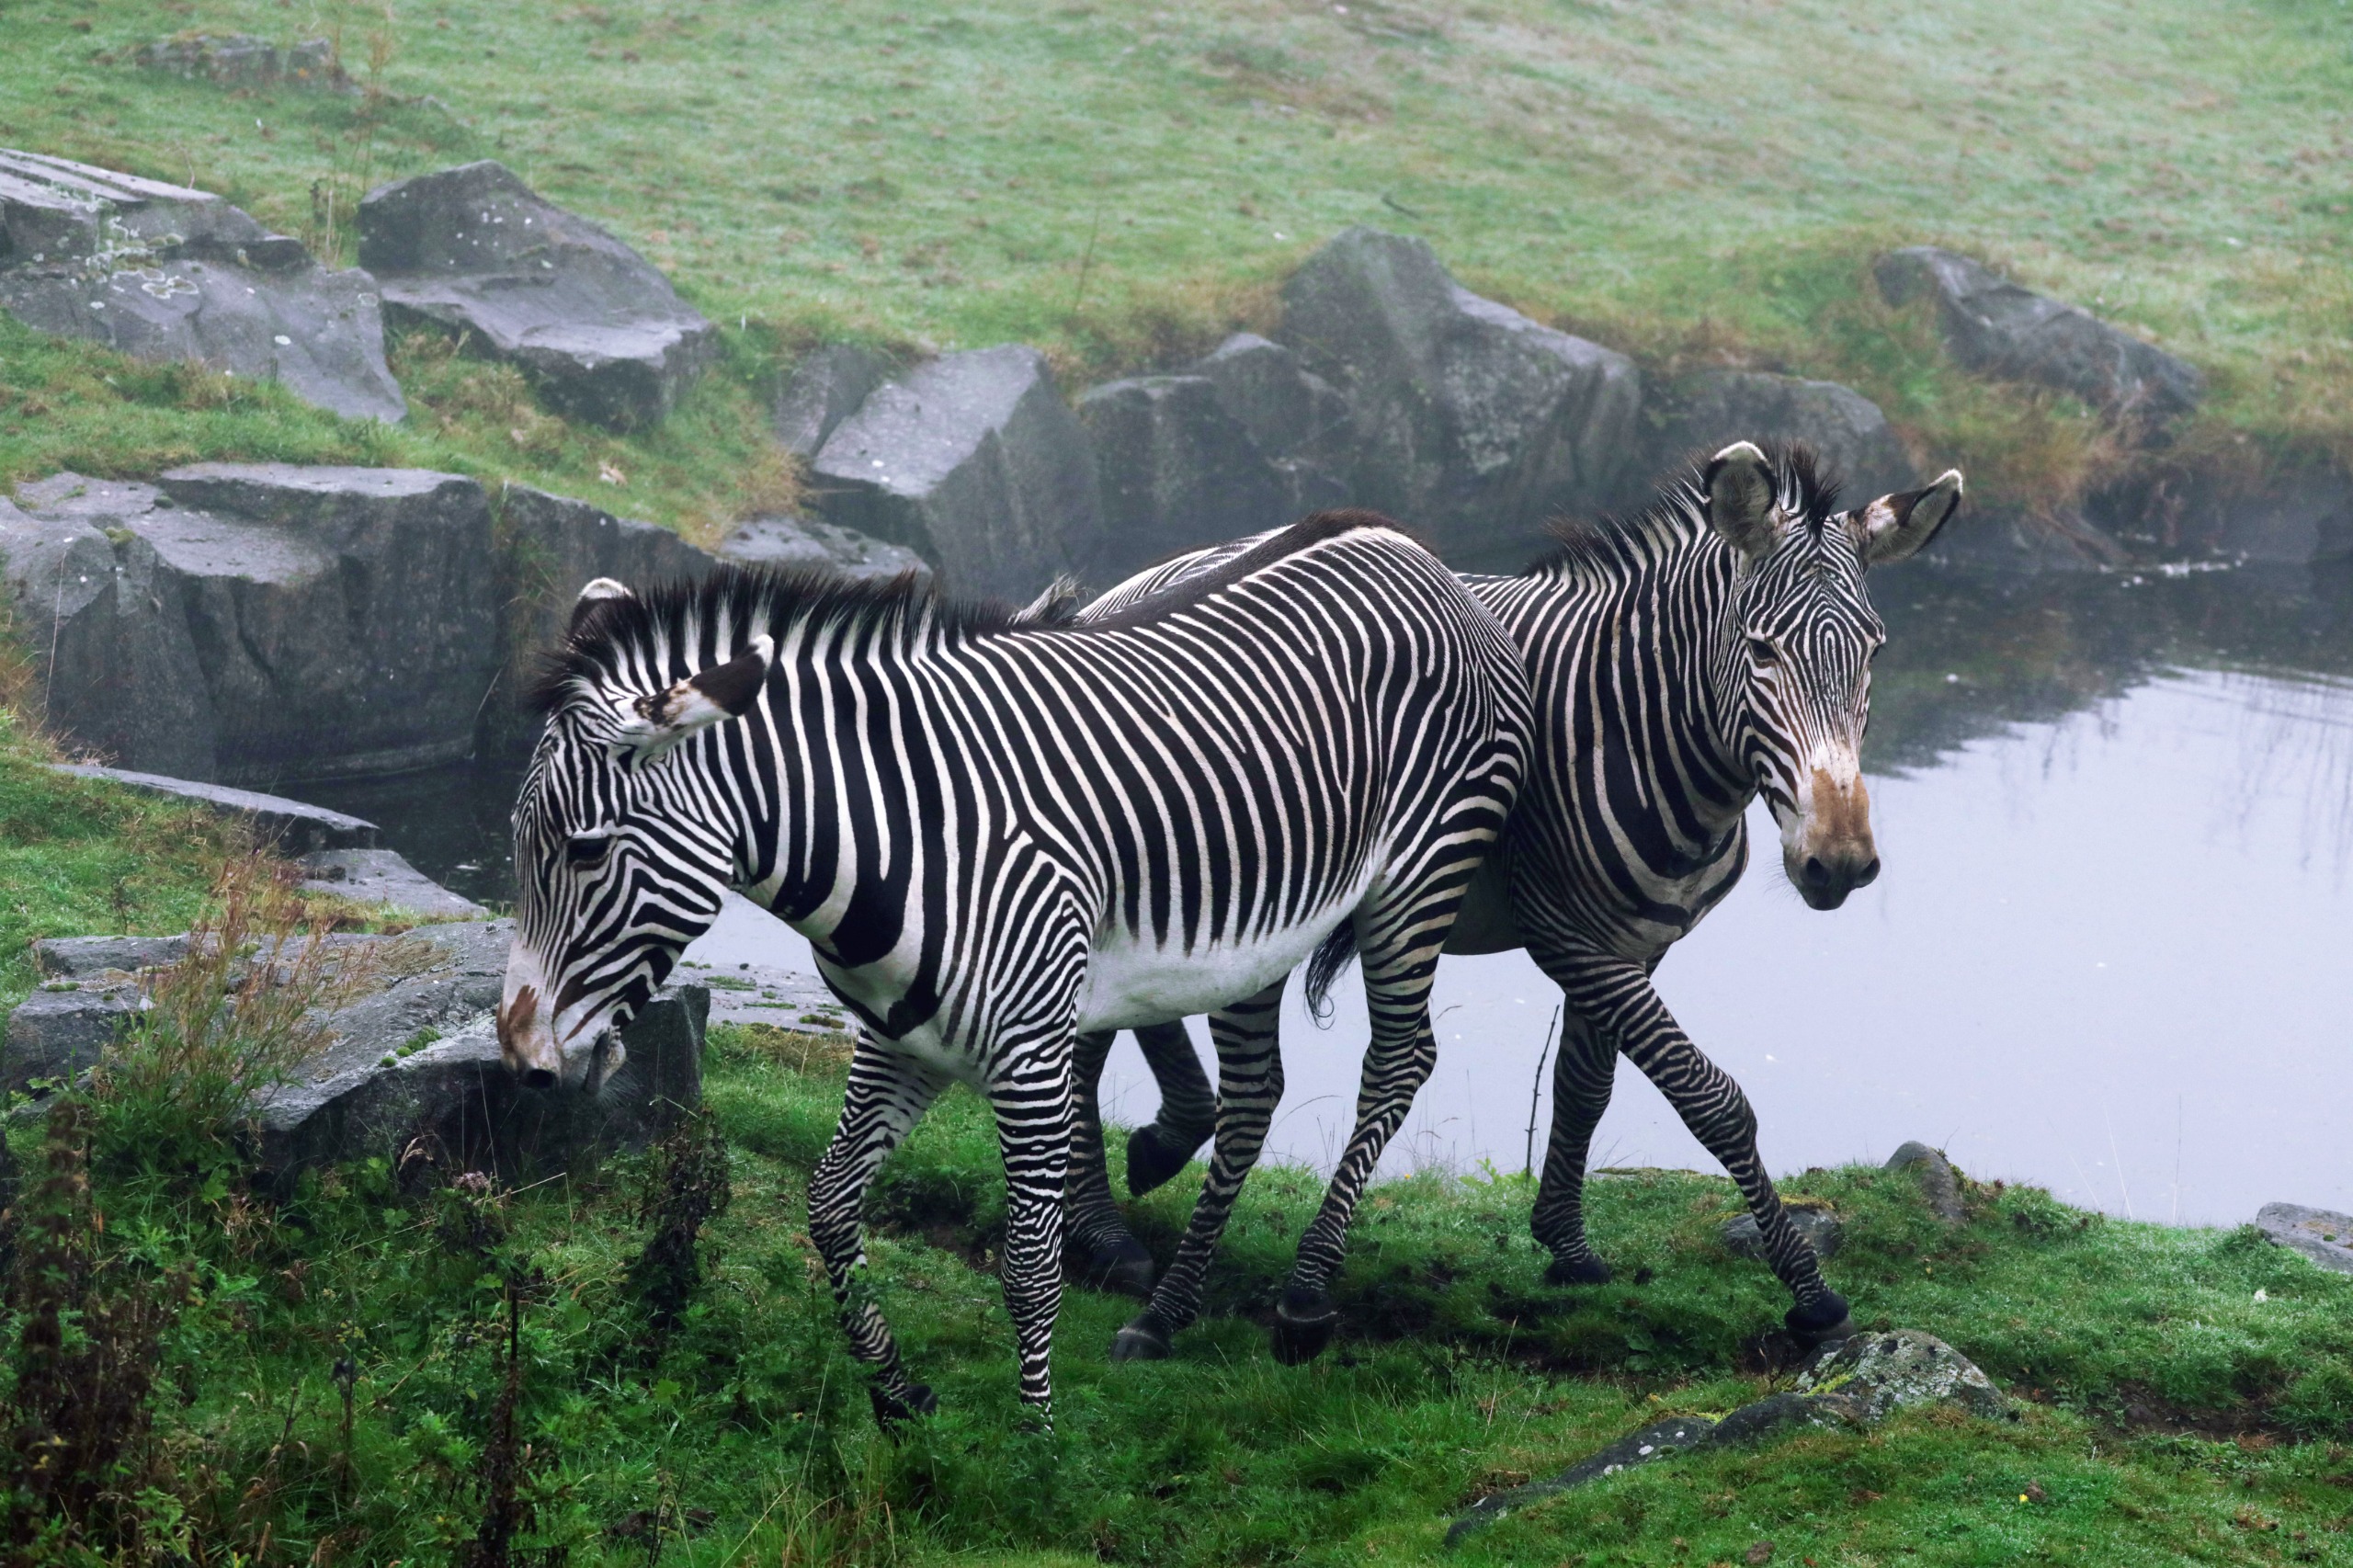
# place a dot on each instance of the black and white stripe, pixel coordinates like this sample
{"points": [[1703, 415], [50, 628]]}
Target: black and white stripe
{"points": [[997, 835]]}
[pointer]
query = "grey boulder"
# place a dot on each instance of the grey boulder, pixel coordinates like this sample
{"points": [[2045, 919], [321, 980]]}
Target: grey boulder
{"points": [[382, 877], [294, 827], [1698, 414], [258, 623], [1470, 421], [1177, 470], [240, 60], [1999, 328], [1939, 1183], [473, 250], [805, 543], [1818, 1225], [160, 272], [972, 461], [64, 1026], [1299, 419], [824, 389], [2321, 1234]]}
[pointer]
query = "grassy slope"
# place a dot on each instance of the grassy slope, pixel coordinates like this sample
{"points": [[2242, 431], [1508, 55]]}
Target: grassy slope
{"points": [[1120, 181], [1459, 1373]]}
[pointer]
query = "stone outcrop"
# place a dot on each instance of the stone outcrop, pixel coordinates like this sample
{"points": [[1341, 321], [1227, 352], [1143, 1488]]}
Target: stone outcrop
{"points": [[1299, 420], [824, 389], [293, 827], [253, 623], [1814, 1222], [473, 249], [974, 462], [240, 60], [1939, 1183], [1177, 471], [2295, 513], [1857, 1382], [2321, 1234], [804, 542], [1999, 328], [1698, 414], [162, 272], [1469, 422], [384, 877]]}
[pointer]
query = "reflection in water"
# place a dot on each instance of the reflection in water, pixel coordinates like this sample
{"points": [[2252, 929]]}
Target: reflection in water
{"points": [[2107, 954]]}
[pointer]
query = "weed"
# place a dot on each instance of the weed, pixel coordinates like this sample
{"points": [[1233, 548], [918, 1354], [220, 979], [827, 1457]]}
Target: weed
{"points": [[689, 1188]]}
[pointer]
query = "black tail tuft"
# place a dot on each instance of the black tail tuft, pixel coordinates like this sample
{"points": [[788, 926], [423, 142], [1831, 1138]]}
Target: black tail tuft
{"points": [[1329, 962]]}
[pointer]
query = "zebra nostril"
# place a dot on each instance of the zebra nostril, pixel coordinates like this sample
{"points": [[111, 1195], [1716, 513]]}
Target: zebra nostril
{"points": [[1868, 874], [539, 1078], [1816, 873]]}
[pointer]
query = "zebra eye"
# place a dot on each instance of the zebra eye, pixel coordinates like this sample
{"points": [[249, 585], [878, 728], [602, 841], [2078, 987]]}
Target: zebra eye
{"points": [[1763, 652], [588, 848]]}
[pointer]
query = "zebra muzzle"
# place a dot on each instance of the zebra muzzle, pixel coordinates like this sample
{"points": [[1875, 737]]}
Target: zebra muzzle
{"points": [[531, 1055]]}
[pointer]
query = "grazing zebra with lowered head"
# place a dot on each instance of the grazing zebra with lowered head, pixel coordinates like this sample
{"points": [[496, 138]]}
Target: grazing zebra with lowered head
{"points": [[995, 836], [1683, 662]]}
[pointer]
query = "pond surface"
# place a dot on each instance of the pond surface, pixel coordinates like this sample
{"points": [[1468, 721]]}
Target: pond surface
{"points": [[2109, 953]]}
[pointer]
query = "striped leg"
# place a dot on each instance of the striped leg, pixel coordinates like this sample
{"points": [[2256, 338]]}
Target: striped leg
{"points": [[1106, 1252], [887, 1094], [1581, 1076], [1035, 1107], [1187, 1114], [1250, 1081], [1617, 996]]}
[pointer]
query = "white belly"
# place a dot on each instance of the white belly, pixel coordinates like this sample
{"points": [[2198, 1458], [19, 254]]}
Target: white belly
{"points": [[1129, 984]]}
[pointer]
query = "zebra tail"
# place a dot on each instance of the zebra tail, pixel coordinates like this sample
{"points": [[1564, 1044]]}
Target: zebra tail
{"points": [[1329, 962]]}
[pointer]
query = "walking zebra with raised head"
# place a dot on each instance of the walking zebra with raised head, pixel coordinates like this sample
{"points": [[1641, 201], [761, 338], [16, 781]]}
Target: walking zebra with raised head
{"points": [[1684, 661], [995, 836]]}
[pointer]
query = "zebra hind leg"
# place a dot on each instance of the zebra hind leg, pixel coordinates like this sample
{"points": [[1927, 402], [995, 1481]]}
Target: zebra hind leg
{"points": [[1105, 1253], [887, 1094], [1582, 1074], [1034, 1103], [1188, 1115], [1250, 1081]]}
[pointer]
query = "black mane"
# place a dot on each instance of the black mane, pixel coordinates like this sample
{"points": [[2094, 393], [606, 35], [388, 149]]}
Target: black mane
{"points": [[1806, 485]]}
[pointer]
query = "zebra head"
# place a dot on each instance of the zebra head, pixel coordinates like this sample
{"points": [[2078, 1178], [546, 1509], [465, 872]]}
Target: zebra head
{"points": [[1795, 665], [624, 851]]}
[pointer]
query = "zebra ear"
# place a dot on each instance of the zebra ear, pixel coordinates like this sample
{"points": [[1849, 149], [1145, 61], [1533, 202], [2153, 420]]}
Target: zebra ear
{"points": [[1739, 486], [1895, 525], [662, 718], [597, 591]]}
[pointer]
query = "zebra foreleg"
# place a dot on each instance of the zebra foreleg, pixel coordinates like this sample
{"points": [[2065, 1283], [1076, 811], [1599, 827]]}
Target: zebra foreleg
{"points": [[1111, 1254], [1250, 1082], [1187, 1114], [887, 1093], [1619, 1000], [1581, 1076]]}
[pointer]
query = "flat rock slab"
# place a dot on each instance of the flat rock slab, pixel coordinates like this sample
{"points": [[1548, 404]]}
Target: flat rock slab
{"points": [[258, 623], [972, 461], [2321, 1234], [381, 876], [1697, 415], [162, 272], [240, 60], [293, 826], [2000, 328], [1819, 1226], [1470, 421], [1857, 1382], [64, 1027], [761, 993], [474, 249], [805, 543]]}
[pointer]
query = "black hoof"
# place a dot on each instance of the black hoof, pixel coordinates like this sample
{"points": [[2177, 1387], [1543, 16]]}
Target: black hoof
{"points": [[1303, 1324], [1586, 1270], [1827, 1324], [892, 1411], [1143, 1339], [1124, 1266], [1152, 1160]]}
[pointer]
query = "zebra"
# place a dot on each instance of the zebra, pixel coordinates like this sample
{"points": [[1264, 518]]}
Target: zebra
{"points": [[997, 834], [1685, 660]]}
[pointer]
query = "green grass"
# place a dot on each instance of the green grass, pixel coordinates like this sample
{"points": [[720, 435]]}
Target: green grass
{"points": [[1119, 183], [2167, 1415]]}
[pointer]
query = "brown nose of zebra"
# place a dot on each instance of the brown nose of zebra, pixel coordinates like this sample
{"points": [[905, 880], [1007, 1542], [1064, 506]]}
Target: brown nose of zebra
{"points": [[1826, 880], [1833, 853]]}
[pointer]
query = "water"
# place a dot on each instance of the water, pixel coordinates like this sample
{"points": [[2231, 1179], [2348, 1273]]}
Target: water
{"points": [[2108, 955]]}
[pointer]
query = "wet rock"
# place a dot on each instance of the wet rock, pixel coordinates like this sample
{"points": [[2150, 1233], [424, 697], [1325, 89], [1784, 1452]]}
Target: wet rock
{"points": [[1939, 1183], [240, 60], [1818, 1225], [473, 249], [1469, 421], [162, 272], [804, 542], [81, 958], [1299, 419], [824, 390], [763, 994], [381, 876], [295, 827], [552, 546], [1697, 415], [2296, 513], [1999, 328], [2321, 1234], [1656, 1441], [1870, 1375], [259, 623], [973, 462], [63, 1027], [1177, 471]]}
